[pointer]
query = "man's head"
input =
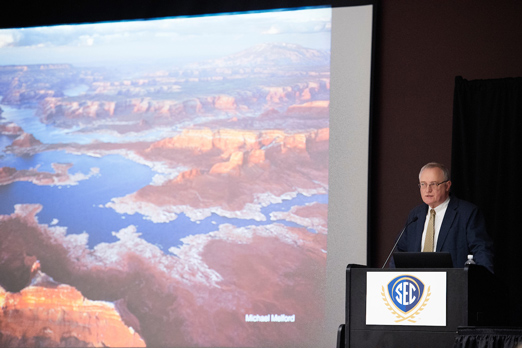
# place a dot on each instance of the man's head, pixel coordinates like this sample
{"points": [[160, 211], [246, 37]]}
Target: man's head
{"points": [[434, 183]]}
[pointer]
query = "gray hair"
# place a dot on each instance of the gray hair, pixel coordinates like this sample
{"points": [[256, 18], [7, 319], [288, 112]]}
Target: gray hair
{"points": [[442, 167]]}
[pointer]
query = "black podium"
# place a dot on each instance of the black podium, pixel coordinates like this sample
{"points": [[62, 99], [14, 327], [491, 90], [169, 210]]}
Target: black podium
{"points": [[471, 300]]}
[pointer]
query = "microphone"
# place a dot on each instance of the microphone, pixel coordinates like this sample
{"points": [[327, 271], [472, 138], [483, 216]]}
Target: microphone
{"points": [[415, 218]]}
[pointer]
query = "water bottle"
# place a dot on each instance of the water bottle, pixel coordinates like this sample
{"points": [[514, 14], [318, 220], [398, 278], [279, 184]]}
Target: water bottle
{"points": [[470, 260]]}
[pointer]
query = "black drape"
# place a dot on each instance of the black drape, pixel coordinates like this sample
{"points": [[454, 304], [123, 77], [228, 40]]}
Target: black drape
{"points": [[486, 170], [488, 338]]}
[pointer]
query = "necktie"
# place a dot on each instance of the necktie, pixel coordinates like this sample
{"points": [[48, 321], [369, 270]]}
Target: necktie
{"points": [[430, 233]]}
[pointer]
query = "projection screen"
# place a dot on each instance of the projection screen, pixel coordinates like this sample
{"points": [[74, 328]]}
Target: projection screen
{"points": [[184, 181]]}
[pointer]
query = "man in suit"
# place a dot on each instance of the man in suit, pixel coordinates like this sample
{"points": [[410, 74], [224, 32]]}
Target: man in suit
{"points": [[445, 223]]}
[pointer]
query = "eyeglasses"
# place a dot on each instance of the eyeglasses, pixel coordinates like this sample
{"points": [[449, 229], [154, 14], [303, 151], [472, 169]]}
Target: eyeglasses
{"points": [[431, 185]]}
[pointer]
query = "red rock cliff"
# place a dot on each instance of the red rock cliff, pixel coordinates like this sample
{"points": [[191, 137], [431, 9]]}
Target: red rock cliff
{"points": [[52, 315]]}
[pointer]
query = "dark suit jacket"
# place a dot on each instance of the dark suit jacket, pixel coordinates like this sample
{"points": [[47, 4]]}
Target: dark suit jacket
{"points": [[462, 232]]}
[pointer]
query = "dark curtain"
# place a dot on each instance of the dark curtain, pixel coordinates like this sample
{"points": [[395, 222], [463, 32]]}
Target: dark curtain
{"points": [[488, 338], [486, 170]]}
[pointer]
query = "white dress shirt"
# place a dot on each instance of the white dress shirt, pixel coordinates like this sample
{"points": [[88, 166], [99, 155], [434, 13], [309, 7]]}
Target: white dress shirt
{"points": [[440, 210]]}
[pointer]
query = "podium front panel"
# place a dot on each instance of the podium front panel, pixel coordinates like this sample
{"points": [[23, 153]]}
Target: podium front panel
{"points": [[460, 308]]}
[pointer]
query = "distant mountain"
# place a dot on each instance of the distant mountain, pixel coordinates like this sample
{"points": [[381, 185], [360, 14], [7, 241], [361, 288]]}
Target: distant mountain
{"points": [[272, 54]]}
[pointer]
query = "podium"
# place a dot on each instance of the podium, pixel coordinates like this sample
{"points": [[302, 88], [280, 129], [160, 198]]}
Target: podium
{"points": [[467, 297]]}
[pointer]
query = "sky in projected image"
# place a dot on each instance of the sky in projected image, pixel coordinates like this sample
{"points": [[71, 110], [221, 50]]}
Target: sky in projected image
{"points": [[178, 39], [172, 174]]}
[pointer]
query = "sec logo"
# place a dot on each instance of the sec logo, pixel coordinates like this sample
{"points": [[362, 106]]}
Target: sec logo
{"points": [[405, 291]]}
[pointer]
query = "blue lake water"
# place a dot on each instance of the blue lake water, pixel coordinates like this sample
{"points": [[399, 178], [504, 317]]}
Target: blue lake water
{"points": [[80, 207], [75, 90]]}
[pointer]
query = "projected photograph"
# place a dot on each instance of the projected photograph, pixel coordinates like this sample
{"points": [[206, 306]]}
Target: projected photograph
{"points": [[164, 182]]}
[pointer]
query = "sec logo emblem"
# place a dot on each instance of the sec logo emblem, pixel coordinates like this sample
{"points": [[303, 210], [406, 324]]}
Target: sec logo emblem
{"points": [[405, 292], [406, 298]]}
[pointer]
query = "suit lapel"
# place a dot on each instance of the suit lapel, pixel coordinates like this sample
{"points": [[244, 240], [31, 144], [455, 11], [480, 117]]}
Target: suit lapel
{"points": [[449, 216]]}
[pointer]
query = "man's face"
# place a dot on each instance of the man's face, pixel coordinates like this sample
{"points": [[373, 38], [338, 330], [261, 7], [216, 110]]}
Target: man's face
{"points": [[433, 195]]}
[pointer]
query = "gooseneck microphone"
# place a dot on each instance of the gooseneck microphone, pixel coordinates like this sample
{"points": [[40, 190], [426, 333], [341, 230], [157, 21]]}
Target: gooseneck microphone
{"points": [[415, 218]]}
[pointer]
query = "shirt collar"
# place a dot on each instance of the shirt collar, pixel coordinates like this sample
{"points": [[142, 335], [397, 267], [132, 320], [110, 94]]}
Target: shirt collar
{"points": [[442, 206]]}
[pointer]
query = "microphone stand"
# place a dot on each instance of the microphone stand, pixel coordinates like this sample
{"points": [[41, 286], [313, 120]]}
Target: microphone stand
{"points": [[415, 218]]}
